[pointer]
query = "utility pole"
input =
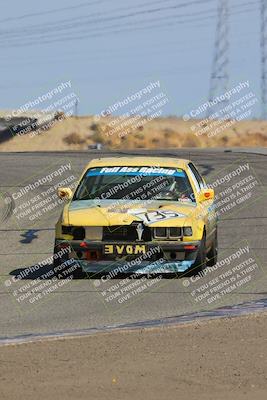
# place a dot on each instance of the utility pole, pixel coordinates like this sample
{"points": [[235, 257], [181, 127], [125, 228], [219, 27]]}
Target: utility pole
{"points": [[219, 75], [76, 107], [264, 58]]}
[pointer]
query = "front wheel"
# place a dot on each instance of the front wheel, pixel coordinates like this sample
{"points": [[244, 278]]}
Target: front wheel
{"points": [[201, 260], [213, 253]]}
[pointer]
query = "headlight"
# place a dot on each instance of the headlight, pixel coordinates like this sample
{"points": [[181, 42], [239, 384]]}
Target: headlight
{"points": [[167, 233], [77, 232], [66, 230], [175, 232], [187, 231], [160, 233]]}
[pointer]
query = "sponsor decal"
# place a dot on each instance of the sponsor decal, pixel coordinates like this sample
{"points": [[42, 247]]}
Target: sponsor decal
{"points": [[145, 171], [123, 249]]}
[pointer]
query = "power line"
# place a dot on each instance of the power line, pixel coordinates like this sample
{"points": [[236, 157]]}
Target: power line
{"points": [[102, 33], [161, 48], [52, 11], [142, 5], [89, 20]]}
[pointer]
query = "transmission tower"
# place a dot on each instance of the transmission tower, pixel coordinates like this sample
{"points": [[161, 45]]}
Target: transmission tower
{"points": [[264, 58], [219, 74]]}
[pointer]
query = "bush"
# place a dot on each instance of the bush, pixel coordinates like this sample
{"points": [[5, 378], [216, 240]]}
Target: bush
{"points": [[74, 138], [97, 137], [94, 127], [168, 133]]}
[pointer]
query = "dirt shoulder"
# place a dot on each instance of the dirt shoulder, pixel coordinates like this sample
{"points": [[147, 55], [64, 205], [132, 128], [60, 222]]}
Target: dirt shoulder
{"points": [[219, 360]]}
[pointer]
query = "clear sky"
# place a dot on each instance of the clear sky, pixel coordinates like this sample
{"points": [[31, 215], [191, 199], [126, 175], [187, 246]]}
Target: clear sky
{"points": [[109, 49]]}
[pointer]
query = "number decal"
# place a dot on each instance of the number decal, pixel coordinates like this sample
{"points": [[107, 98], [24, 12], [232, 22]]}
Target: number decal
{"points": [[155, 216]]}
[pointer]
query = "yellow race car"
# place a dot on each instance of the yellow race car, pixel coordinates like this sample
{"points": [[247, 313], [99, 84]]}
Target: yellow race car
{"points": [[137, 215]]}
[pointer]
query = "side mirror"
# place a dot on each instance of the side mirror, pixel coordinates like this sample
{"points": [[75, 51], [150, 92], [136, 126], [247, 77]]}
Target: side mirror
{"points": [[64, 193], [206, 194]]}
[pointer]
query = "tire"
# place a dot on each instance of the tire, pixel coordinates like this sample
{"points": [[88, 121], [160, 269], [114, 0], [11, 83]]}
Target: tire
{"points": [[57, 262], [213, 253], [201, 260]]}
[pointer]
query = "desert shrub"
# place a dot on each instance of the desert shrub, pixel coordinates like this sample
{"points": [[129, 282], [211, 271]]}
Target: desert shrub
{"points": [[190, 141], [97, 137], [74, 138], [140, 146], [155, 140], [225, 139], [168, 133], [94, 127], [139, 135], [60, 115]]}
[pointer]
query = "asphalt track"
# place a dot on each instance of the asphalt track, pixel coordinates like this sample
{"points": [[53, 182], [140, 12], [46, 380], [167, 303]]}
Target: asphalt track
{"points": [[80, 304]]}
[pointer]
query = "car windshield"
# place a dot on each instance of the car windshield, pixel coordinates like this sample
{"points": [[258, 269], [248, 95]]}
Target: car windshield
{"points": [[135, 183]]}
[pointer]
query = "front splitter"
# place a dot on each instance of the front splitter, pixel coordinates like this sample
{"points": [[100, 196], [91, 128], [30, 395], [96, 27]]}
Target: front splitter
{"points": [[119, 267]]}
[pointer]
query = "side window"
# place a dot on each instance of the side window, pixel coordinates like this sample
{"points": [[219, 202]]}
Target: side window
{"points": [[196, 184], [197, 176]]}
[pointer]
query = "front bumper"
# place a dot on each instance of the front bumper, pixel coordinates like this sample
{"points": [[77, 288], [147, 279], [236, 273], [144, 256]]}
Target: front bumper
{"points": [[155, 257]]}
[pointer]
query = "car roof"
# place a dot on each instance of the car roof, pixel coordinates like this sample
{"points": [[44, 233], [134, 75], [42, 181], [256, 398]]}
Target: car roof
{"points": [[139, 161]]}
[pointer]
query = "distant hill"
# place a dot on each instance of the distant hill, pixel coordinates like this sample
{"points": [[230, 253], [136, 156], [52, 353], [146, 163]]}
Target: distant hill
{"points": [[78, 133]]}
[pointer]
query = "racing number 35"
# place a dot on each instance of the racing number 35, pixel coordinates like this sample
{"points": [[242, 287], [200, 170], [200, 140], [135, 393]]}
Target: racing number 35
{"points": [[154, 216]]}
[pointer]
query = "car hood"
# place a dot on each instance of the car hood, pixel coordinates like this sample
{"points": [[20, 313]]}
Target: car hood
{"points": [[110, 212]]}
